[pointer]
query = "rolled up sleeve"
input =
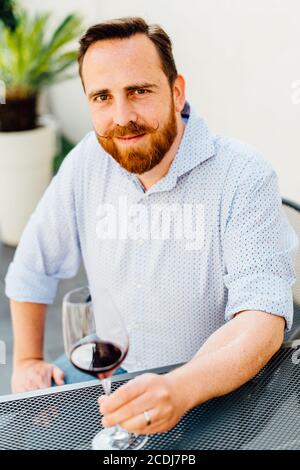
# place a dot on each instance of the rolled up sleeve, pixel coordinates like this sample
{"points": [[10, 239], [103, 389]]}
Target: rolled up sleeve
{"points": [[49, 249], [259, 246]]}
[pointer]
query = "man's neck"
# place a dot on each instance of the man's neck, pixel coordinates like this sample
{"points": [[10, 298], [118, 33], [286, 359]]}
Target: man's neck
{"points": [[151, 177]]}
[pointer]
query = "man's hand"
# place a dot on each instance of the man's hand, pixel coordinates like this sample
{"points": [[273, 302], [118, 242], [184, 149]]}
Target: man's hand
{"points": [[156, 394], [31, 374]]}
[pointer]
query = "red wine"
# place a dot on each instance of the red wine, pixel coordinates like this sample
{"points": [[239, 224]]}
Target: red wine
{"points": [[97, 357]]}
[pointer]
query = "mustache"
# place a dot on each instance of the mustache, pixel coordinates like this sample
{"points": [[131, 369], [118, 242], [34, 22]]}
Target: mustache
{"points": [[132, 129]]}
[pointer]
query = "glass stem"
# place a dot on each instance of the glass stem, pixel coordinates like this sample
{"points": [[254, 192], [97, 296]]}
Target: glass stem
{"points": [[116, 431], [106, 384]]}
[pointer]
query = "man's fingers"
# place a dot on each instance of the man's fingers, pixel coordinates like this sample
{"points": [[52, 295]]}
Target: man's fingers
{"points": [[58, 375], [129, 410], [138, 423], [32, 383], [42, 381], [124, 394], [35, 375]]}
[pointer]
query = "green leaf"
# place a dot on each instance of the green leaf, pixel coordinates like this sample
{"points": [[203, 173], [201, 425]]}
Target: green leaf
{"points": [[28, 61], [8, 14]]}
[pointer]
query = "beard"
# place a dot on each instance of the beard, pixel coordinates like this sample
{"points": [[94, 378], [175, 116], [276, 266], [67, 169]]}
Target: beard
{"points": [[141, 157]]}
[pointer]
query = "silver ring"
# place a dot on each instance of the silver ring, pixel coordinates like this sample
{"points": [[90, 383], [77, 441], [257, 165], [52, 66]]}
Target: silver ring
{"points": [[147, 418]]}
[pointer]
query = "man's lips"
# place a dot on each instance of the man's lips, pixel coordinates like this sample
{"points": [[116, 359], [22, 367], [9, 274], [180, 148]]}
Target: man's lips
{"points": [[129, 138]]}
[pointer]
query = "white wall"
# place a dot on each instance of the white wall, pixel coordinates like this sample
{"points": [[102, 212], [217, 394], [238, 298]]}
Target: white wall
{"points": [[240, 59]]}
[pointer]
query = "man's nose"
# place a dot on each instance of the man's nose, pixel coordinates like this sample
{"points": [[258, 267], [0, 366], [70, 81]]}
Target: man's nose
{"points": [[123, 113]]}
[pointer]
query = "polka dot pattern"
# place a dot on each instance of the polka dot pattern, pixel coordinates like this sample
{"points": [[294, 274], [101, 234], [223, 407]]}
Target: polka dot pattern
{"points": [[171, 296]]}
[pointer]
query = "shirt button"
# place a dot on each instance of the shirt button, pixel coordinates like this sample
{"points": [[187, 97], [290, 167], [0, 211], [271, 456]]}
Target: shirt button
{"points": [[139, 286], [140, 241], [138, 363], [136, 326]]}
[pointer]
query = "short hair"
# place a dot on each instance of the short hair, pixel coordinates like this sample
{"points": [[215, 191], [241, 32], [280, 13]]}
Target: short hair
{"points": [[122, 28]]}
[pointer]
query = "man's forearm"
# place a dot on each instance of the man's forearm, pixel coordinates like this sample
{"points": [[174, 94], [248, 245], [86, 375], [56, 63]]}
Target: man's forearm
{"points": [[229, 358], [28, 321]]}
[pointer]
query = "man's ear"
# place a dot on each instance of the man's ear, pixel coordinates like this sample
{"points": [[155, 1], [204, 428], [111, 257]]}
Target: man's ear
{"points": [[179, 93]]}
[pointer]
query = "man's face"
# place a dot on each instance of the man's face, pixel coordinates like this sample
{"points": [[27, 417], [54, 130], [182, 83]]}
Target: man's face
{"points": [[131, 102]]}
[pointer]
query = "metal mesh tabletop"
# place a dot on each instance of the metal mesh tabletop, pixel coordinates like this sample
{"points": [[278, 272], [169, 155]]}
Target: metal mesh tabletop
{"points": [[263, 414]]}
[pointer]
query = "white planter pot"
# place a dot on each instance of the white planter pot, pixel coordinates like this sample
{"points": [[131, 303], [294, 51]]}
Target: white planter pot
{"points": [[25, 172]]}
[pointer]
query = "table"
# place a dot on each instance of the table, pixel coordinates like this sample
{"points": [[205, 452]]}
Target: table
{"points": [[262, 414]]}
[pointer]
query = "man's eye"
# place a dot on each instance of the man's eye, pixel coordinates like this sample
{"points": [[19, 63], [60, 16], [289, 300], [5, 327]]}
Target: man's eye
{"points": [[141, 91], [101, 98]]}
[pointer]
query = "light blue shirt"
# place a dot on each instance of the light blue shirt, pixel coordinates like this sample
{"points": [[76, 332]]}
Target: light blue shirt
{"points": [[208, 240]]}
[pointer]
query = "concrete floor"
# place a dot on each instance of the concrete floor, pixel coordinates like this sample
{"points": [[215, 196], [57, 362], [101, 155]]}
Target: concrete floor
{"points": [[53, 333]]}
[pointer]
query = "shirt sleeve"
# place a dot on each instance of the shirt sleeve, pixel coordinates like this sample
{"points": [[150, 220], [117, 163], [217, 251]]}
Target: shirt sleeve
{"points": [[49, 248], [259, 246]]}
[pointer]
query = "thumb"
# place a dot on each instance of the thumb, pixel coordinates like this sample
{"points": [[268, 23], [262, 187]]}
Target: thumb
{"points": [[58, 375]]}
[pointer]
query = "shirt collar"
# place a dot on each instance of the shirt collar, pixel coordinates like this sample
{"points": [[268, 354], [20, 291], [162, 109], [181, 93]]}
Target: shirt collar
{"points": [[197, 143]]}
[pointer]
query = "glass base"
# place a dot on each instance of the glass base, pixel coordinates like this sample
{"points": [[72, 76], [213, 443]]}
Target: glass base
{"points": [[105, 440]]}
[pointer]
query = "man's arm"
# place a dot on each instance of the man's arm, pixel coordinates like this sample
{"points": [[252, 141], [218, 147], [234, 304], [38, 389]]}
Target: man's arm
{"points": [[30, 371], [28, 321], [229, 358], [49, 250]]}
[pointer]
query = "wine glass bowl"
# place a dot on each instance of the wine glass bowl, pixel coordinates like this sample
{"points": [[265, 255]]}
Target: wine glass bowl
{"points": [[98, 357]]}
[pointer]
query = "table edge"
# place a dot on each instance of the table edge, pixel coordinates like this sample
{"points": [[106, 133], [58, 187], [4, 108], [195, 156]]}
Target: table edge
{"points": [[88, 383]]}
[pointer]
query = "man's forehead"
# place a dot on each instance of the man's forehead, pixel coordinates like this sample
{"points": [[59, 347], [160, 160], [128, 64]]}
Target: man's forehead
{"points": [[107, 56], [137, 47], [122, 63]]}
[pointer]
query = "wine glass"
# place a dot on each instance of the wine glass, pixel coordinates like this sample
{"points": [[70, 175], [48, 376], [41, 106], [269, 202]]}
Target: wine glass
{"points": [[96, 342]]}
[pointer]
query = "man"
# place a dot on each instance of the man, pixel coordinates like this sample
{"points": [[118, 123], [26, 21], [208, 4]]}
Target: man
{"points": [[185, 230]]}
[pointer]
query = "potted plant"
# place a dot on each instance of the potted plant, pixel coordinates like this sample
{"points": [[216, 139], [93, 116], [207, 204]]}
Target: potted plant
{"points": [[29, 61]]}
